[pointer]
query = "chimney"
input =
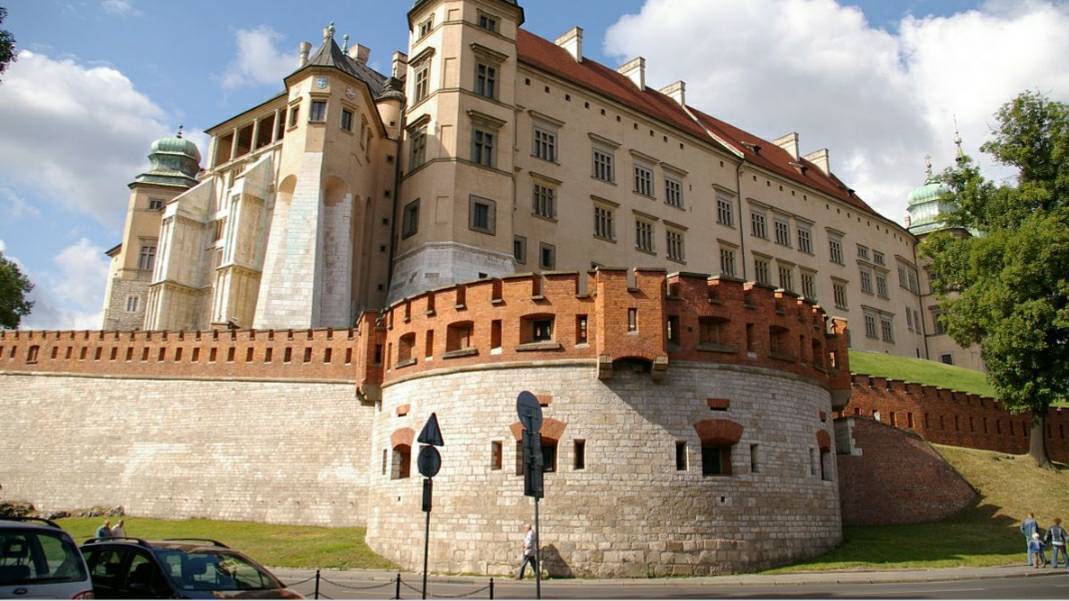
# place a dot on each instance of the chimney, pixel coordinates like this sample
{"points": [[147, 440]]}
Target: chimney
{"points": [[360, 53], [303, 49], [788, 142], [572, 42], [400, 64], [676, 91], [820, 159], [635, 70]]}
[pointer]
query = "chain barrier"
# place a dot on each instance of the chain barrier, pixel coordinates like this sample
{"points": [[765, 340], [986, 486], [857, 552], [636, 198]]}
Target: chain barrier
{"points": [[356, 588], [292, 584], [392, 582], [468, 594]]}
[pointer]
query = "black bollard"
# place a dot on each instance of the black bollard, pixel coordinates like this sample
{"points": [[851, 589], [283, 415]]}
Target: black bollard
{"points": [[397, 587], [491, 587], [316, 595]]}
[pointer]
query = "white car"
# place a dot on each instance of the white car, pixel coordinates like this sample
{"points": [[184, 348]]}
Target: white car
{"points": [[38, 560]]}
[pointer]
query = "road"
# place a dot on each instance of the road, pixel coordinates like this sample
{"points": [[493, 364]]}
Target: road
{"points": [[354, 585]]}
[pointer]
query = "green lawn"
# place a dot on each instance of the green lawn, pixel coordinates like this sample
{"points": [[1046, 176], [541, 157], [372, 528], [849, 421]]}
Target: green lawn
{"points": [[984, 535], [269, 544], [920, 371]]}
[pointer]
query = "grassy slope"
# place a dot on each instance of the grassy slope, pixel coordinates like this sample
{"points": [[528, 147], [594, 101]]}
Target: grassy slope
{"points": [[920, 371], [984, 535], [271, 545]]}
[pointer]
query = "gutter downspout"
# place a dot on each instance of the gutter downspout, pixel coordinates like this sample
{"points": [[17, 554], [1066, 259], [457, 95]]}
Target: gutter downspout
{"points": [[396, 197], [920, 301], [742, 234]]}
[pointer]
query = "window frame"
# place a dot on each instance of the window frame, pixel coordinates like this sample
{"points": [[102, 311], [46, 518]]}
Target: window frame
{"points": [[606, 219], [606, 166], [318, 103], [675, 244], [519, 243], [643, 179], [645, 232], [491, 215], [410, 219], [542, 248]]}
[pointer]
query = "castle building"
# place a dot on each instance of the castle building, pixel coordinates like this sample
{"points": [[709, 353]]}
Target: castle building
{"points": [[490, 151]]}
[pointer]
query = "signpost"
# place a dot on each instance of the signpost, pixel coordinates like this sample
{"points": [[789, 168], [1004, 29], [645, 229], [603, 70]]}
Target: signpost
{"points": [[530, 414], [429, 463]]}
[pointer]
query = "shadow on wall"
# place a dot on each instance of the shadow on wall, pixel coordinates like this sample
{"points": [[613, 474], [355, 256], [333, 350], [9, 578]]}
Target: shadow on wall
{"points": [[554, 564]]}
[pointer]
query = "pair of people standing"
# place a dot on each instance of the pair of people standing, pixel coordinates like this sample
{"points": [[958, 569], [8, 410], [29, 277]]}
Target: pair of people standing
{"points": [[1055, 537], [106, 530]]}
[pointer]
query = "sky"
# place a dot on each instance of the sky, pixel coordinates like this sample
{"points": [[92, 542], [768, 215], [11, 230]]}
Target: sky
{"points": [[880, 83]]}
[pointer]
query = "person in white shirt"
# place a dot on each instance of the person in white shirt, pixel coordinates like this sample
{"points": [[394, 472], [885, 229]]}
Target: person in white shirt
{"points": [[530, 553], [119, 530]]}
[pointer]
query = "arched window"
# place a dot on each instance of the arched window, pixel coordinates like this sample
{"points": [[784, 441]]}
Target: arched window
{"points": [[552, 431], [401, 443], [717, 437]]}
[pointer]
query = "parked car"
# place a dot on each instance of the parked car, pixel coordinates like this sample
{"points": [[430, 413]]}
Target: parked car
{"points": [[38, 560], [132, 568]]}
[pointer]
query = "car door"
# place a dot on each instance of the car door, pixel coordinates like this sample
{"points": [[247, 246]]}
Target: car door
{"points": [[107, 567], [143, 579]]}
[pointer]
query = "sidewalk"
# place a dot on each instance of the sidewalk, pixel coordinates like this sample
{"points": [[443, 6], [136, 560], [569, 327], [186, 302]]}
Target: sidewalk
{"points": [[290, 575]]}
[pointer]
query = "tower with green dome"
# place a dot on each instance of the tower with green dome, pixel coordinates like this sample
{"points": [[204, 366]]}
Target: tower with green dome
{"points": [[931, 203], [173, 161]]}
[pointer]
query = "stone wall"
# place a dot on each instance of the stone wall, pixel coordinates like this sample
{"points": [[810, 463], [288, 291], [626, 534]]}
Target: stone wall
{"points": [[895, 477], [280, 452], [953, 418], [628, 511]]}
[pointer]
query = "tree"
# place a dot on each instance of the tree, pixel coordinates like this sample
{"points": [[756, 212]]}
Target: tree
{"points": [[7, 43], [1007, 288], [14, 287]]}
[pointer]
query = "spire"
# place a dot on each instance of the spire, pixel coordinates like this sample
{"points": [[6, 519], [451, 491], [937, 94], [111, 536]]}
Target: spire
{"points": [[345, 43], [179, 134], [957, 141], [328, 33], [928, 167]]}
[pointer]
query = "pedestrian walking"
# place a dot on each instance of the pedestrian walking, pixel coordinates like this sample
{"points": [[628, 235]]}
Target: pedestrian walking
{"points": [[1035, 549], [1028, 528], [104, 531], [119, 530], [530, 552], [1056, 538]]}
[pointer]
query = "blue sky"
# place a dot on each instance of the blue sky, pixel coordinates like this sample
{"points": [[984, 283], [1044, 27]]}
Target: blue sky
{"points": [[175, 58]]}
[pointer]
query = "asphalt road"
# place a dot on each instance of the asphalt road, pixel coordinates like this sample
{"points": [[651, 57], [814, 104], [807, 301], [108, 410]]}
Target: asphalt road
{"points": [[354, 586]]}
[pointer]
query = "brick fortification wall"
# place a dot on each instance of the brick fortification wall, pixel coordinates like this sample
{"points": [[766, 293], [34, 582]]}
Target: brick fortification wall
{"points": [[895, 477], [953, 418]]}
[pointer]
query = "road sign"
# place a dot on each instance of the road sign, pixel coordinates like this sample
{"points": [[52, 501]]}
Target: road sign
{"points": [[431, 433], [429, 461], [428, 487], [533, 483], [529, 411]]}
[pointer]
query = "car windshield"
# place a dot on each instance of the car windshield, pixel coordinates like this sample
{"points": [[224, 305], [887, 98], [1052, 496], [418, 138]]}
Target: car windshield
{"points": [[29, 556], [210, 570]]}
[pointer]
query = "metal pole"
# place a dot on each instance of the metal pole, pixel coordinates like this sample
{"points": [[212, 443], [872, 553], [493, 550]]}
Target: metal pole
{"points": [[397, 587], [426, 547], [491, 587], [538, 556], [316, 595]]}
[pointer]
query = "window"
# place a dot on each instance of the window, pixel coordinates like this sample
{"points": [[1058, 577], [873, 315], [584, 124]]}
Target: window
{"points": [[417, 147], [131, 303], [936, 324], [644, 235], [783, 232], [542, 330], [839, 292], [881, 285], [402, 462], [519, 249], [681, 456], [603, 223], [870, 326], [147, 259], [482, 151], [545, 145], [727, 262], [809, 285], [632, 319], [913, 286], [675, 246], [488, 23], [711, 330], [547, 256], [786, 277], [544, 205], [347, 120], [458, 336], [319, 111], [863, 252], [579, 455], [295, 112], [643, 180], [155, 204], [549, 455], [423, 81], [758, 225], [673, 192], [410, 219], [909, 320], [580, 329], [902, 282], [887, 330], [603, 165], [835, 249], [426, 27], [723, 212], [805, 240], [486, 80], [878, 258], [715, 460], [866, 280], [948, 359], [753, 459], [760, 267], [482, 215], [496, 452]]}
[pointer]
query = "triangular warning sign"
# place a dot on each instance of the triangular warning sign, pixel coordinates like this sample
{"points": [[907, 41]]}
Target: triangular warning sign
{"points": [[431, 433]]}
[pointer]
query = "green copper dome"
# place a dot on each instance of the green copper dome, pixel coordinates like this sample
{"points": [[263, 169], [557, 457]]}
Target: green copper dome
{"points": [[928, 206], [174, 161], [931, 190]]}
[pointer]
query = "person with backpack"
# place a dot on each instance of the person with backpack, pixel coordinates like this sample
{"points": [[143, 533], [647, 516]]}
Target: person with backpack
{"points": [[1056, 538]]}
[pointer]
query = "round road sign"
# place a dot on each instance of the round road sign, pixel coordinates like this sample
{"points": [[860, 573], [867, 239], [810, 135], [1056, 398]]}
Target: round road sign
{"points": [[429, 461], [529, 411]]}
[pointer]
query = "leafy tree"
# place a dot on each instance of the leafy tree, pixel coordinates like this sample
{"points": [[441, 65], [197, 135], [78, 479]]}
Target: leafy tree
{"points": [[1007, 288], [7, 43], [14, 287]]}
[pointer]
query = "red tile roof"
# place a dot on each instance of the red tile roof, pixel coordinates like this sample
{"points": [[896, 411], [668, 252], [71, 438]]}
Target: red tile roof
{"points": [[547, 56]]}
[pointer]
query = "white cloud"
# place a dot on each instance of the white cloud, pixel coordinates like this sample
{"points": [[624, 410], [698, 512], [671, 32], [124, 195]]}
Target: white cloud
{"points": [[258, 60], [71, 296], [880, 101], [75, 134], [122, 8], [3, 245], [14, 206]]}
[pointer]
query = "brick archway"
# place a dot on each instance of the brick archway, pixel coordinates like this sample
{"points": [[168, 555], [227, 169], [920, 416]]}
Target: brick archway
{"points": [[718, 432], [402, 436], [552, 429]]}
